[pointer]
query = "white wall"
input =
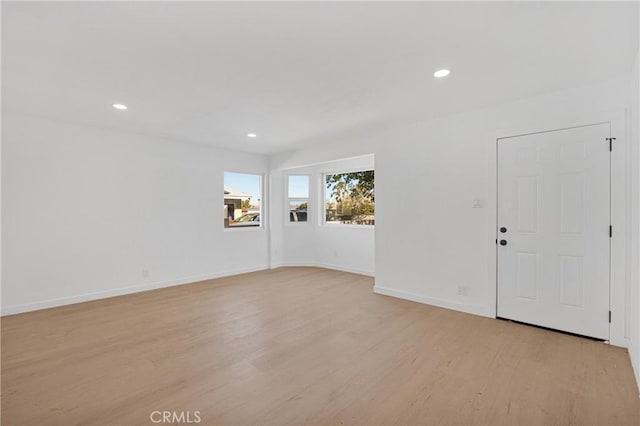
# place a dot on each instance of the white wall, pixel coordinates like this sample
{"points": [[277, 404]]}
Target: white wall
{"points": [[344, 247], [442, 166], [634, 348], [86, 210]]}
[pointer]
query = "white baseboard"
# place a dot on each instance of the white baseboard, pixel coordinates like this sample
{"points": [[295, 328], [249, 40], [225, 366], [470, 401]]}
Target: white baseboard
{"points": [[484, 311], [276, 265], [346, 269], [634, 365], [51, 303], [314, 264]]}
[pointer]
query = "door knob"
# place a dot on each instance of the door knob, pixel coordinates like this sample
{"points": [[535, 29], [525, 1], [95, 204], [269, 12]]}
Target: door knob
{"points": [[503, 242], [503, 229]]}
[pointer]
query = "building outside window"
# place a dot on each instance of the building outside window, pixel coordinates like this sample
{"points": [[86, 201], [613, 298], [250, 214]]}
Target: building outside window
{"points": [[298, 198], [242, 200]]}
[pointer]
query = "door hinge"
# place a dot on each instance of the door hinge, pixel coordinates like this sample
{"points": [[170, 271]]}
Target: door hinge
{"points": [[610, 231], [610, 143], [609, 317]]}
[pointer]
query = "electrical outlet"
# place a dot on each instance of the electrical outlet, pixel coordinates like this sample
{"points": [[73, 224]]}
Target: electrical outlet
{"points": [[145, 273], [463, 291]]}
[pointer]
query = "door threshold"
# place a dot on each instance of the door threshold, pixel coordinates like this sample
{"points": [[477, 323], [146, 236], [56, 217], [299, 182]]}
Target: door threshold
{"points": [[555, 330]]}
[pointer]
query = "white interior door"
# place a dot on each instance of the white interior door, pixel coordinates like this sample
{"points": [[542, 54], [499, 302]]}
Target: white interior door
{"points": [[553, 229]]}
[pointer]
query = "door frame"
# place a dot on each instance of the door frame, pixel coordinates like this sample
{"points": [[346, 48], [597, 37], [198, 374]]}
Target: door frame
{"points": [[619, 273]]}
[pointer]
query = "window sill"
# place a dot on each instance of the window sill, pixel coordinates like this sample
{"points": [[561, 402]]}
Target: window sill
{"points": [[243, 229], [294, 224], [347, 225]]}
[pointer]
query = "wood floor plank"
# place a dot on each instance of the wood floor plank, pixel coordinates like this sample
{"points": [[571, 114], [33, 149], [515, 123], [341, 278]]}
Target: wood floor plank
{"points": [[296, 346]]}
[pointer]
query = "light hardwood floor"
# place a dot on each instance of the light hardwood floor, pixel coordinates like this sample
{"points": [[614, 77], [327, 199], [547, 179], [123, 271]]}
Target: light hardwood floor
{"points": [[301, 346]]}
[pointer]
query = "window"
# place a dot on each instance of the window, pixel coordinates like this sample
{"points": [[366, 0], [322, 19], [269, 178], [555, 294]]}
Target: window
{"points": [[350, 198], [242, 200], [298, 197]]}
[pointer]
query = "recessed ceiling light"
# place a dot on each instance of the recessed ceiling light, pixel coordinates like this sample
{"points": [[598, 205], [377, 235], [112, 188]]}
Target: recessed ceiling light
{"points": [[119, 106], [441, 73], [252, 135]]}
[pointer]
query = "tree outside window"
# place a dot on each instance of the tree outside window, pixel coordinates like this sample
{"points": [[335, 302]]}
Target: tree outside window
{"points": [[350, 198]]}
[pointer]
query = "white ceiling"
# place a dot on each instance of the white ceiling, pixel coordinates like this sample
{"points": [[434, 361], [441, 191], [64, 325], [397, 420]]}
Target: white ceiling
{"points": [[297, 73]]}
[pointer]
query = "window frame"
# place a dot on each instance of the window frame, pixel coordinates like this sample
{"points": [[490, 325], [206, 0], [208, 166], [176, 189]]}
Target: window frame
{"points": [[263, 213], [287, 200], [323, 195]]}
